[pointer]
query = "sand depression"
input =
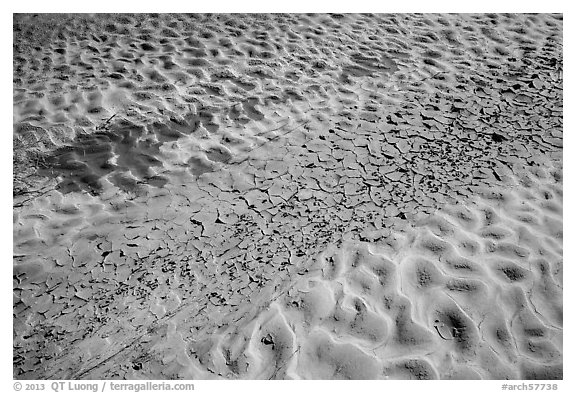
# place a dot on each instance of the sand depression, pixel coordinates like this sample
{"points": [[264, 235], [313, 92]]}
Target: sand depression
{"points": [[288, 196]]}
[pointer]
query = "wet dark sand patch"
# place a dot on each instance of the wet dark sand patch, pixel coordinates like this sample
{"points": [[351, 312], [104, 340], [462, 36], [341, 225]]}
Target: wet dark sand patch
{"points": [[250, 107], [198, 166], [88, 159], [219, 154], [397, 132]]}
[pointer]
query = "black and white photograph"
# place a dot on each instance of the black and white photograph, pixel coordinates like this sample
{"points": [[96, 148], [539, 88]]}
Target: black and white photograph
{"points": [[287, 196]]}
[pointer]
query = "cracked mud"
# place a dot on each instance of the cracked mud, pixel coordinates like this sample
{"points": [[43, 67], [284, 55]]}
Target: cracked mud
{"points": [[288, 196]]}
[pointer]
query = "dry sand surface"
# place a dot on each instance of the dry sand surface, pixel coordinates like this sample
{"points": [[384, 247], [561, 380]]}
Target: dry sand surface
{"points": [[287, 196]]}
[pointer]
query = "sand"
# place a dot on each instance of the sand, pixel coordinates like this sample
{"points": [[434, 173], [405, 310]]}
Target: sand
{"points": [[288, 196]]}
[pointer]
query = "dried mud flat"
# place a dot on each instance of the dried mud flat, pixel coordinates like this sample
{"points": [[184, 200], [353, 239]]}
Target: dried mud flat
{"points": [[287, 196]]}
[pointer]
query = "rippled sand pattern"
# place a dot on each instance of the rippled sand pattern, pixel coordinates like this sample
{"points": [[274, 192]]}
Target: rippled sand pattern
{"points": [[288, 196]]}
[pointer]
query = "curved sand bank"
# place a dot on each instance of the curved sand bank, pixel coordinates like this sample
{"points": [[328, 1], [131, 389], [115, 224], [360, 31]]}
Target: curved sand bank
{"points": [[288, 196]]}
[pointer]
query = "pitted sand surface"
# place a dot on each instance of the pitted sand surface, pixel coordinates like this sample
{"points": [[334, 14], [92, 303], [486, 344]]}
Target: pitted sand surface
{"points": [[288, 196]]}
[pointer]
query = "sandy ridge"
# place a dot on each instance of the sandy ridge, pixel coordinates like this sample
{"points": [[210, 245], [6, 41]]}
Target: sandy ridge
{"points": [[209, 179]]}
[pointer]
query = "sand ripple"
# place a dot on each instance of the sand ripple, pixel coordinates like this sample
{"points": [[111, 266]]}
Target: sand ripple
{"points": [[288, 196]]}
